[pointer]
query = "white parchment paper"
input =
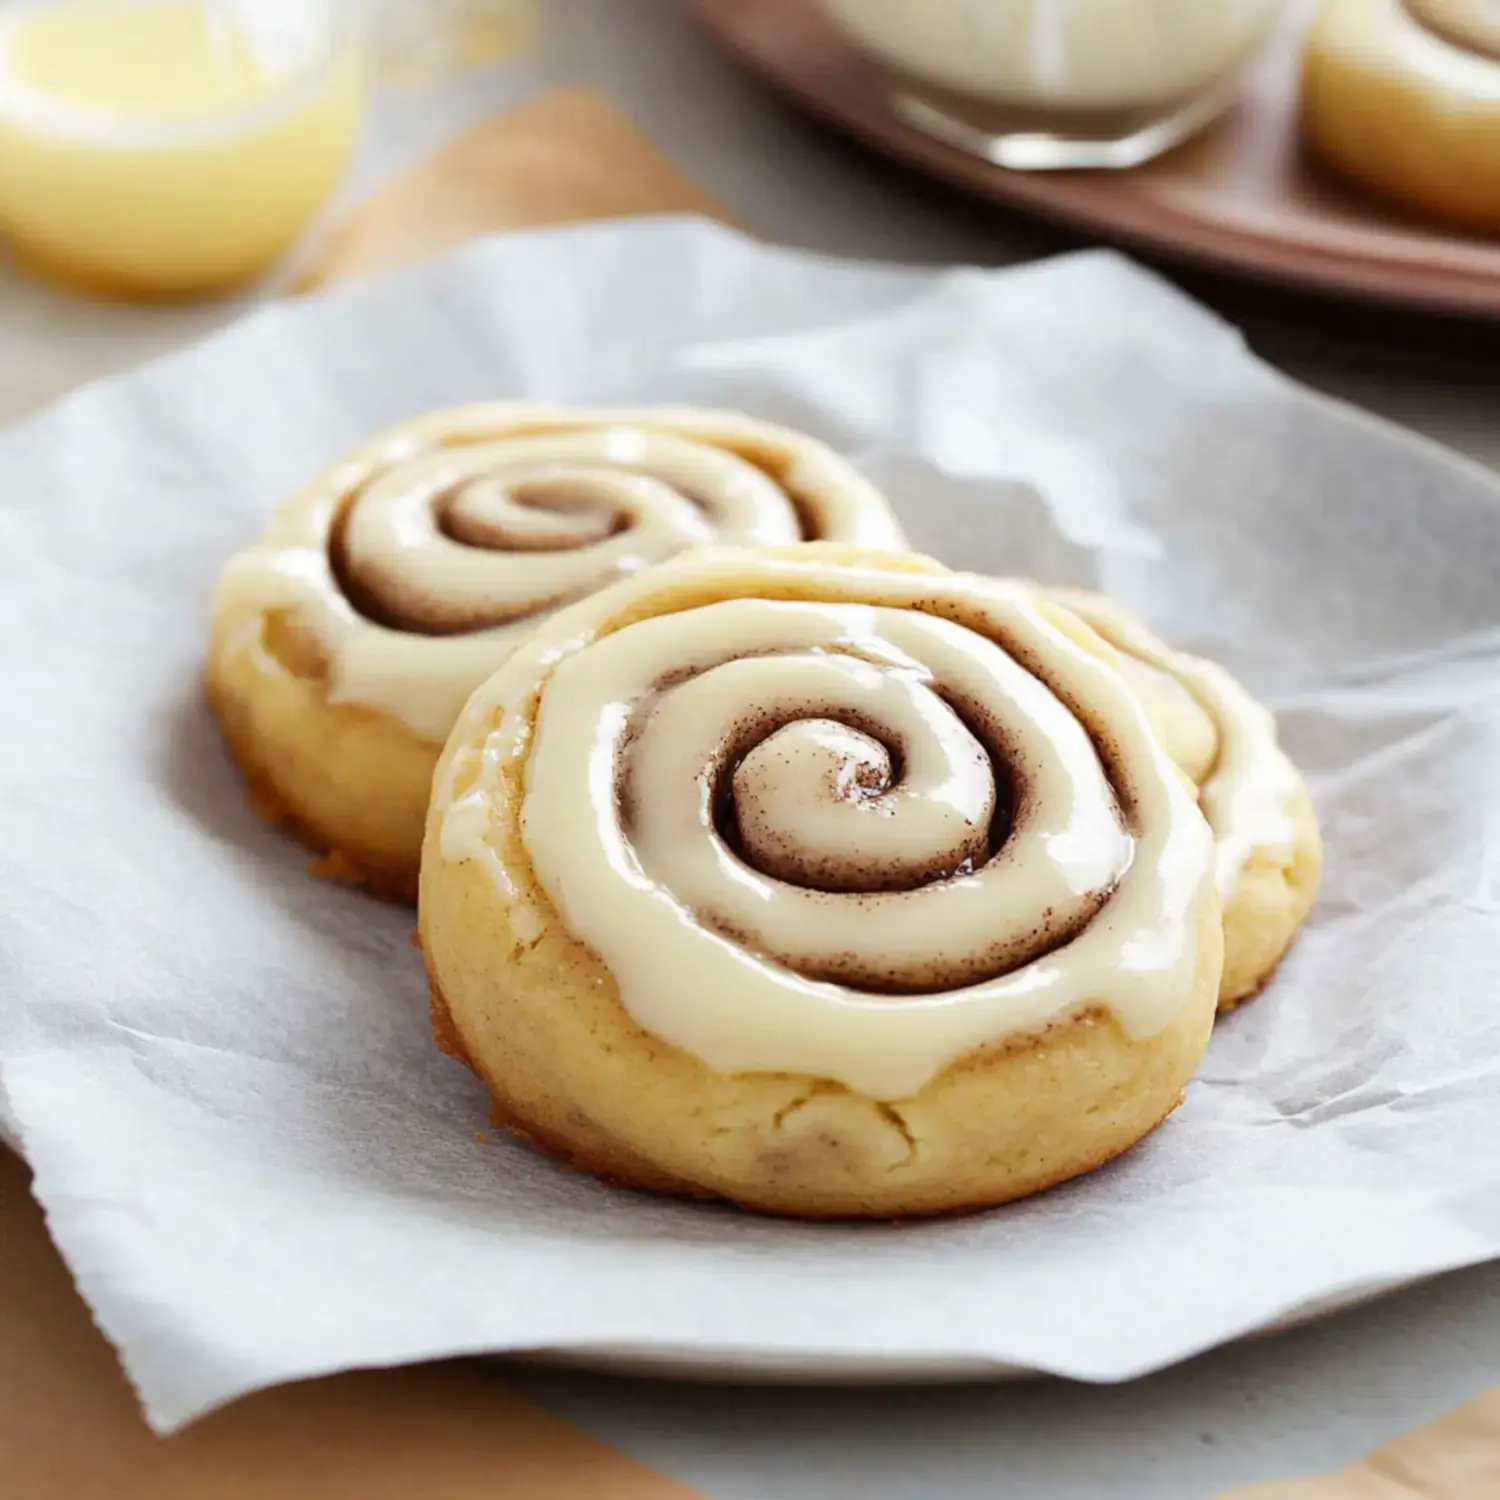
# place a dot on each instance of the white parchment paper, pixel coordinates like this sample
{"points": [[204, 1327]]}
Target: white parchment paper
{"points": [[250, 1154]]}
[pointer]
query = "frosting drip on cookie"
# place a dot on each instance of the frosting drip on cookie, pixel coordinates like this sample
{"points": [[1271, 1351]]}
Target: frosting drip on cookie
{"points": [[418, 564], [853, 840], [1220, 735]]}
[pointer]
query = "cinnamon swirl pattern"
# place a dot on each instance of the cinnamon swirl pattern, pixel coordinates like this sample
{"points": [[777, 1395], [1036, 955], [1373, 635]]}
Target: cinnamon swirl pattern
{"points": [[1270, 858], [346, 641], [831, 884]]}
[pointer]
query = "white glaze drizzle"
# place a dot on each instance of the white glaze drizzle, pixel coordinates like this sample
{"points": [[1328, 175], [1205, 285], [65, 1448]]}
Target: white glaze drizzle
{"points": [[462, 529], [1249, 791], [787, 691]]}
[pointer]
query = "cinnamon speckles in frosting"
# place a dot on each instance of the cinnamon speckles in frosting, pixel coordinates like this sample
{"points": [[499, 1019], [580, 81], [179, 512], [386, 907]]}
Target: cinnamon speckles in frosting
{"points": [[853, 835], [419, 563], [829, 802]]}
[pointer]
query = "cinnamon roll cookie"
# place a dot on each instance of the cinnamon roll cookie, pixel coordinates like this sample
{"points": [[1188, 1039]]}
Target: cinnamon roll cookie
{"points": [[1403, 98], [347, 639], [1270, 856], [833, 884]]}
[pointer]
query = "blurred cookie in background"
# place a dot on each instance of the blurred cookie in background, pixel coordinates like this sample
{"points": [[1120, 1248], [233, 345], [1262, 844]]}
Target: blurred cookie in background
{"points": [[1403, 96]]}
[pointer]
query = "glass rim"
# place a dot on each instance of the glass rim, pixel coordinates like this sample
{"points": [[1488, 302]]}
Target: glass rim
{"points": [[42, 113]]}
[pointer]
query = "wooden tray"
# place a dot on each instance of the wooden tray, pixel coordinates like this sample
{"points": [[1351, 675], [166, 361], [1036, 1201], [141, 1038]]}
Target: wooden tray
{"points": [[1238, 198]]}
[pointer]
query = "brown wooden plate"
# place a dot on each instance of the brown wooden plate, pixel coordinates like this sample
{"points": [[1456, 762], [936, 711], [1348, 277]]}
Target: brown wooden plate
{"points": [[1239, 198]]}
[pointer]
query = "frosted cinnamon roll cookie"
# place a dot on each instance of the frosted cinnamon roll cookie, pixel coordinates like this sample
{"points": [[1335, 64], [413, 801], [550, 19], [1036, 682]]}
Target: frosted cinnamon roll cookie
{"points": [[827, 883], [1403, 97], [1270, 856], [347, 639]]}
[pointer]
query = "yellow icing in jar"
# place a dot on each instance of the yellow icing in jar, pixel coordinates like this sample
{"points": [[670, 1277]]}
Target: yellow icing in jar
{"points": [[170, 148]]}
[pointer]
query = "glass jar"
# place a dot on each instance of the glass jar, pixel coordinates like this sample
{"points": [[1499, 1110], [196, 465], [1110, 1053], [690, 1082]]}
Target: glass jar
{"points": [[171, 148], [1036, 84]]}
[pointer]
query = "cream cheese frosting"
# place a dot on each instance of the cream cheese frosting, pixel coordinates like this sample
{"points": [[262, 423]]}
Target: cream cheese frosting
{"points": [[420, 562], [1248, 786], [841, 821]]}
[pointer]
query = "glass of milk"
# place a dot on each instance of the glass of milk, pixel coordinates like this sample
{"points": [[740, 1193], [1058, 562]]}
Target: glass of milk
{"points": [[1046, 84]]}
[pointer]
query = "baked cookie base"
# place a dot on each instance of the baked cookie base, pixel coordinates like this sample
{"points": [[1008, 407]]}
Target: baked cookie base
{"points": [[1267, 909], [395, 882], [630, 1173]]}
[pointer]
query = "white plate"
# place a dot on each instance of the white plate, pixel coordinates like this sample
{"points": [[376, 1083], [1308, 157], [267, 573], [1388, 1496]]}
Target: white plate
{"points": [[756, 1367]]}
